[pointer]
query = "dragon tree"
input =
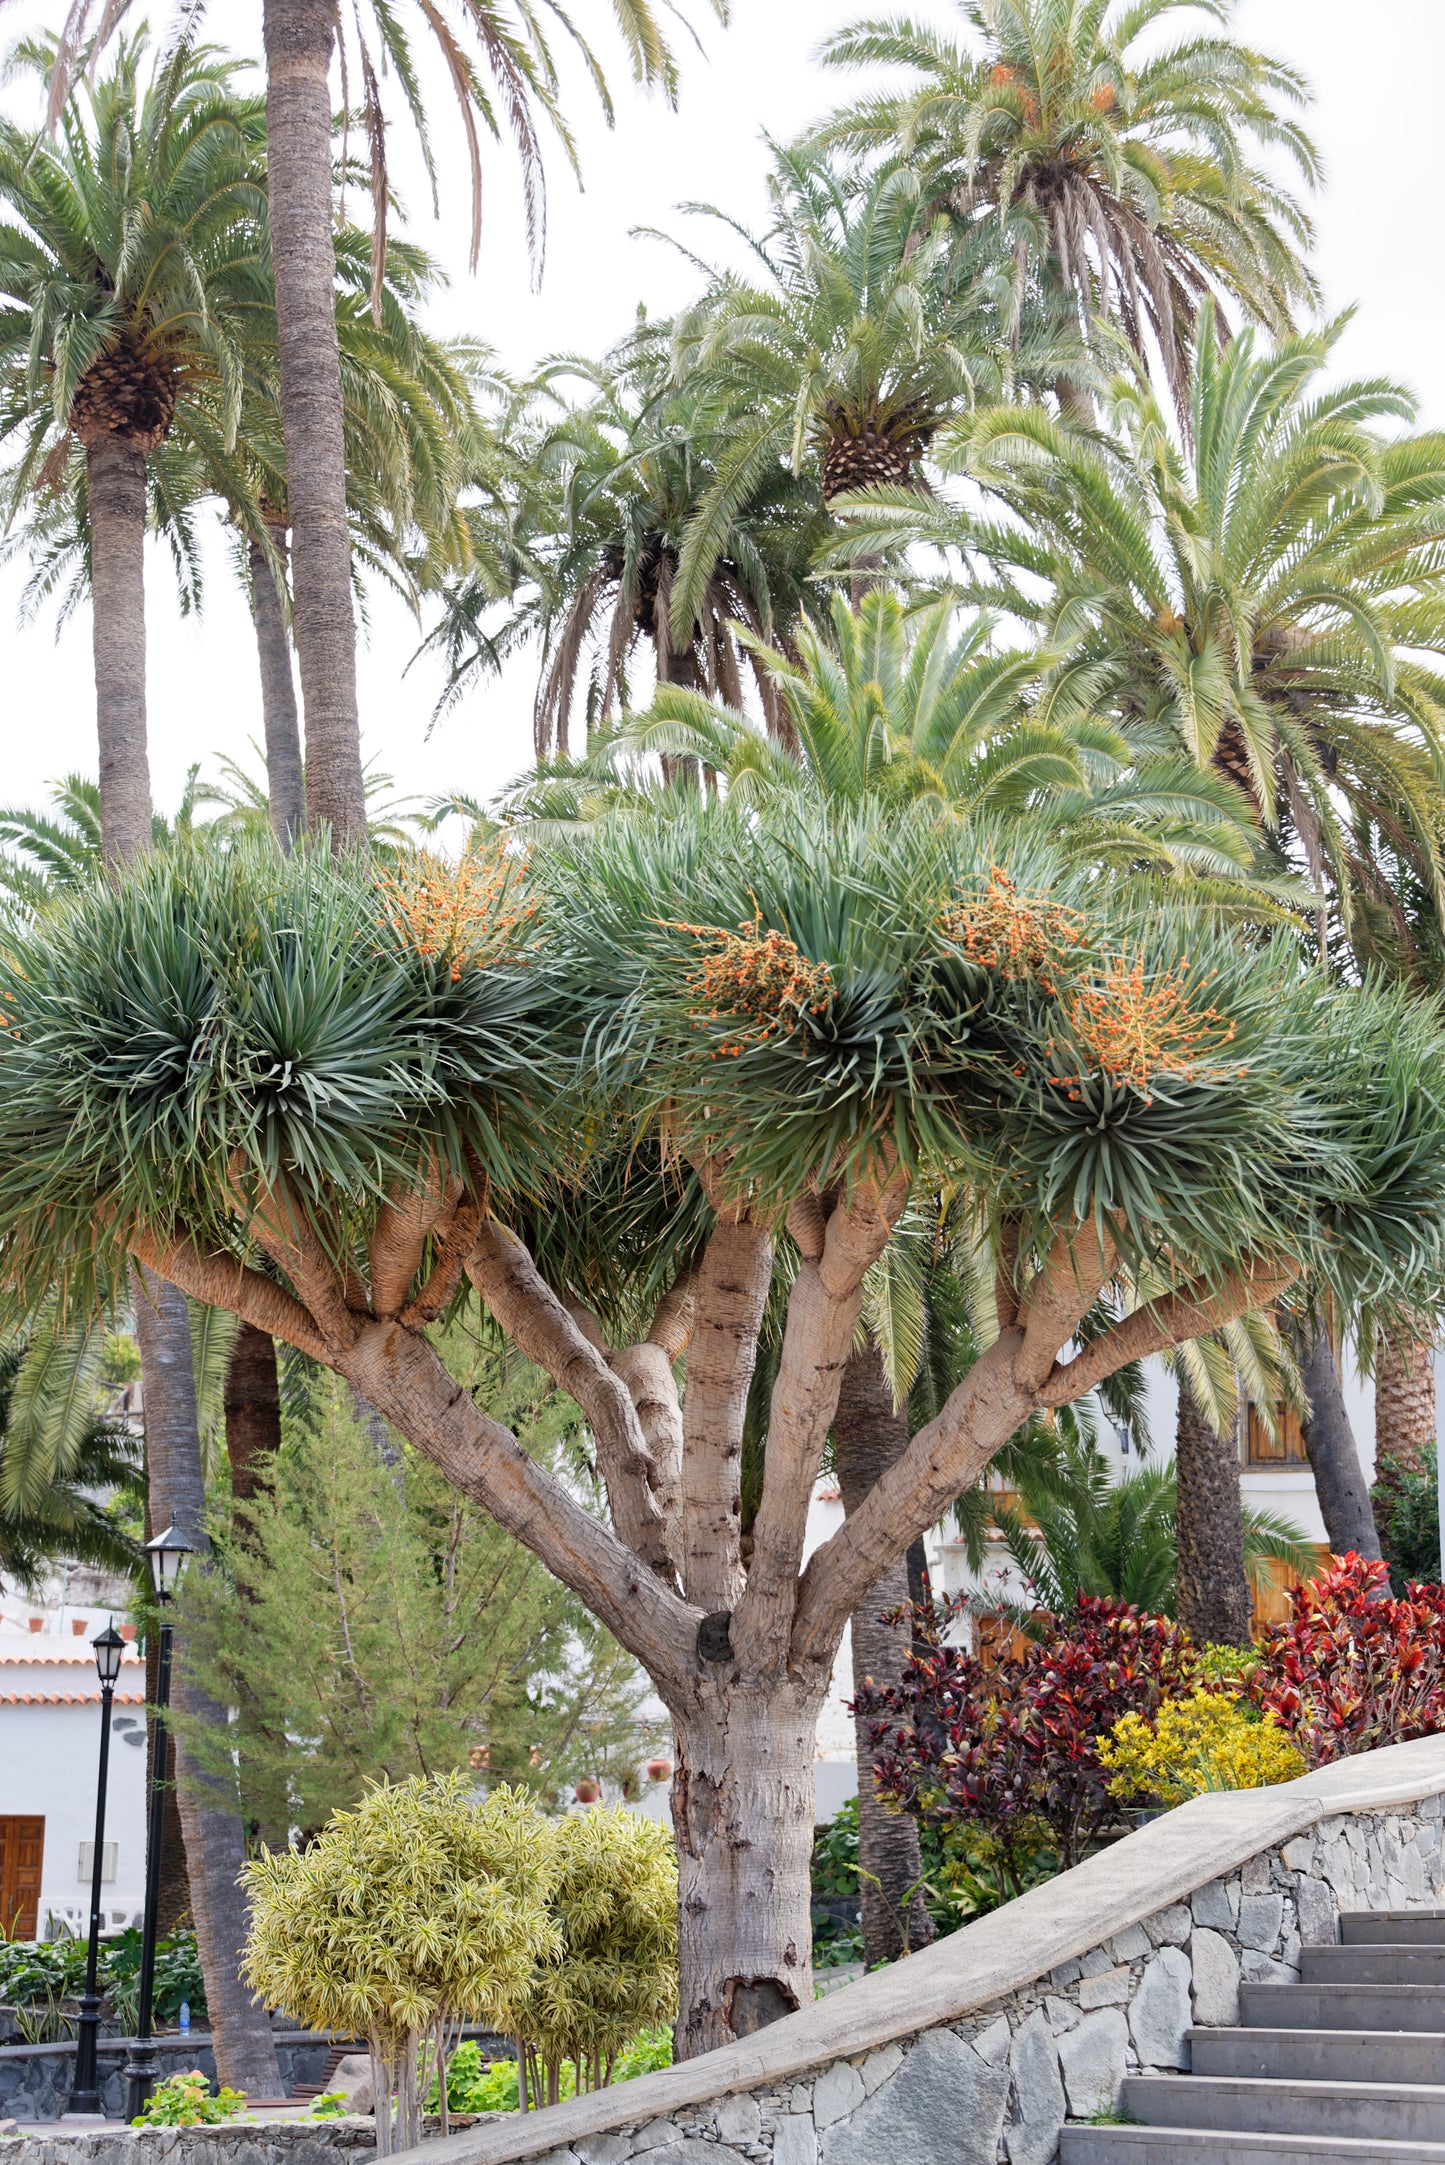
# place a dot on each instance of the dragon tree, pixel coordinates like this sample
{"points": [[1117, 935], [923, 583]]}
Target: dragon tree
{"points": [[631, 1092]]}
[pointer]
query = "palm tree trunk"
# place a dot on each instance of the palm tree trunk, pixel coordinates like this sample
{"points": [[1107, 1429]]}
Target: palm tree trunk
{"points": [[1344, 1496], [117, 480], [1404, 1404], [285, 774], [298, 39], [173, 1906], [869, 1436], [1213, 1590], [252, 1403], [116, 476], [215, 1842]]}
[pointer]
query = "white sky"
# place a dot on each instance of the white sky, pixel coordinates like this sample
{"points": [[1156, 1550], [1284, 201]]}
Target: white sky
{"points": [[1379, 247]]}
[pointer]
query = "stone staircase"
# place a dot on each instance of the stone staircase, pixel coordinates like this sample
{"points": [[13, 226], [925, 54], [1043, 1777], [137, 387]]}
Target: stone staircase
{"points": [[1347, 2067]]}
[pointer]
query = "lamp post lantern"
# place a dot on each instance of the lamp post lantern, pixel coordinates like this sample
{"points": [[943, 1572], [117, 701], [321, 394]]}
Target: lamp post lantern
{"points": [[167, 1555], [85, 2090]]}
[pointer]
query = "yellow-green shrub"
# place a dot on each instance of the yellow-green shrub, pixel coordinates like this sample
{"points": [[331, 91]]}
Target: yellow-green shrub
{"points": [[1207, 1741], [612, 1972], [420, 1910]]}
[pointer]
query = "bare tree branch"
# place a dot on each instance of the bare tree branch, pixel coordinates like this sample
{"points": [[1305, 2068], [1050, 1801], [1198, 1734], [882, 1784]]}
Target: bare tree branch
{"points": [[273, 1219], [533, 1317], [943, 1459], [1080, 1263], [823, 1311], [730, 1294], [994, 1399], [403, 1376], [1190, 1312], [399, 1237], [448, 1269], [222, 1281]]}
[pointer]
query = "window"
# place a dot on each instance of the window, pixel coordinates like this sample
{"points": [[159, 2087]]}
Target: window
{"points": [[107, 1863], [1285, 1448]]}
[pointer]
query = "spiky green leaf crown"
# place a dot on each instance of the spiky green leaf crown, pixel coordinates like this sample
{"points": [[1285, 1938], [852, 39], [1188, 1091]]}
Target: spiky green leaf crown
{"points": [[797, 996]]}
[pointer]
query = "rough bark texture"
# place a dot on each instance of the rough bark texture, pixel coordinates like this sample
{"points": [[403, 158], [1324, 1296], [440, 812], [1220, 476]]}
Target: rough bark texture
{"points": [[1404, 1405], [116, 471], [733, 1280], [173, 1907], [215, 1845], [298, 40], [742, 1810], [869, 1436], [743, 1682], [1340, 1485], [1214, 1601], [253, 1412], [285, 775]]}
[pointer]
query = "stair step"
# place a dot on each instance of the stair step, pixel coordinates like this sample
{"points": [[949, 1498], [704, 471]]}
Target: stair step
{"points": [[1395, 1927], [1270, 2105], [1321, 2055], [1342, 2007], [1189, 2146], [1383, 1963]]}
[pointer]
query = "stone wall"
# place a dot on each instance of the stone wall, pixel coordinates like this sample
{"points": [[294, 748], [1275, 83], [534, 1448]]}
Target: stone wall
{"points": [[1000, 2085], [35, 2079], [269, 2142], [980, 2047]]}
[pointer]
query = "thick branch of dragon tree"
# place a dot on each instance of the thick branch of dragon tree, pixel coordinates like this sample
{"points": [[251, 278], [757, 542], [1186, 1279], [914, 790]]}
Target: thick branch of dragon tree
{"points": [[665, 1461]]}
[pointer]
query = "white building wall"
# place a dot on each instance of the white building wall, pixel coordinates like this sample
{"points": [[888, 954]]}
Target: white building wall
{"points": [[50, 1706]]}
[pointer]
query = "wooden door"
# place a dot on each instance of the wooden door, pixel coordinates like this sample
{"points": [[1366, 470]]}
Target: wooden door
{"points": [[22, 1847]]}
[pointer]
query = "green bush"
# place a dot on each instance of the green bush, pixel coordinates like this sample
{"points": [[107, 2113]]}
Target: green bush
{"points": [[962, 1879], [1408, 1516]]}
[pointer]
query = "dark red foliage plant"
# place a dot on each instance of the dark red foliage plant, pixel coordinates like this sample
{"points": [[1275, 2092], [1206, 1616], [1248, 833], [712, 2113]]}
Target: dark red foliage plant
{"points": [[1354, 1667], [1011, 1743]]}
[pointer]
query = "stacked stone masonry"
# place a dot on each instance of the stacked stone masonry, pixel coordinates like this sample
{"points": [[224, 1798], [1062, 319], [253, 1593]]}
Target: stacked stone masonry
{"points": [[322, 2142], [1000, 2085]]}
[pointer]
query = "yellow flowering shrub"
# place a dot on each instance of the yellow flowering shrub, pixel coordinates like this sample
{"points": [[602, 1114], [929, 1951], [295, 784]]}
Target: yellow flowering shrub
{"points": [[1204, 1742]]}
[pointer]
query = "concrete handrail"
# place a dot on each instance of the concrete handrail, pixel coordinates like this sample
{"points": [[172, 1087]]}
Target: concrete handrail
{"points": [[1158, 1864]]}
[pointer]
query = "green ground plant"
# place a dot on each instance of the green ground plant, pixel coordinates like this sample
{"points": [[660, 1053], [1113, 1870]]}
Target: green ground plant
{"points": [[186, 2101]]}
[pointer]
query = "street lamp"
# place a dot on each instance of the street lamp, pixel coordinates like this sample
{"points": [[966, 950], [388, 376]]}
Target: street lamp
{"points": [[167, 1554], [85, 2090]]}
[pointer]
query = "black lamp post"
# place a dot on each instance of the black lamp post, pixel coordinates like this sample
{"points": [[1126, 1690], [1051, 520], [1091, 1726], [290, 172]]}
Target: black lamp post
{"points": [[167, 1553], [85, 2090]]}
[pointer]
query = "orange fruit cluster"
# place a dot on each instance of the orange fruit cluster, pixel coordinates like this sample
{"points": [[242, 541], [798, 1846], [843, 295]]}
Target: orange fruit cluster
{"points": [[1136, 1025], [457, 914], [760, 978], [1012, 934]]}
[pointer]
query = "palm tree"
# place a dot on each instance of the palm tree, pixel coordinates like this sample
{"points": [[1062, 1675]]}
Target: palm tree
{"points": [[1125, 172], [927, 706], [175, 1465], [1264, 601], [504, 74], [121, 265], [862, 330], [413, 430], [601, 499], [69, 1511], [1080, 1526]]}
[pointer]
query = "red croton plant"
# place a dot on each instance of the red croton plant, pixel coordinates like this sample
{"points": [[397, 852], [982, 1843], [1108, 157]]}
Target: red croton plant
{"points": [[1013, 1740], [1356, 1667]]}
